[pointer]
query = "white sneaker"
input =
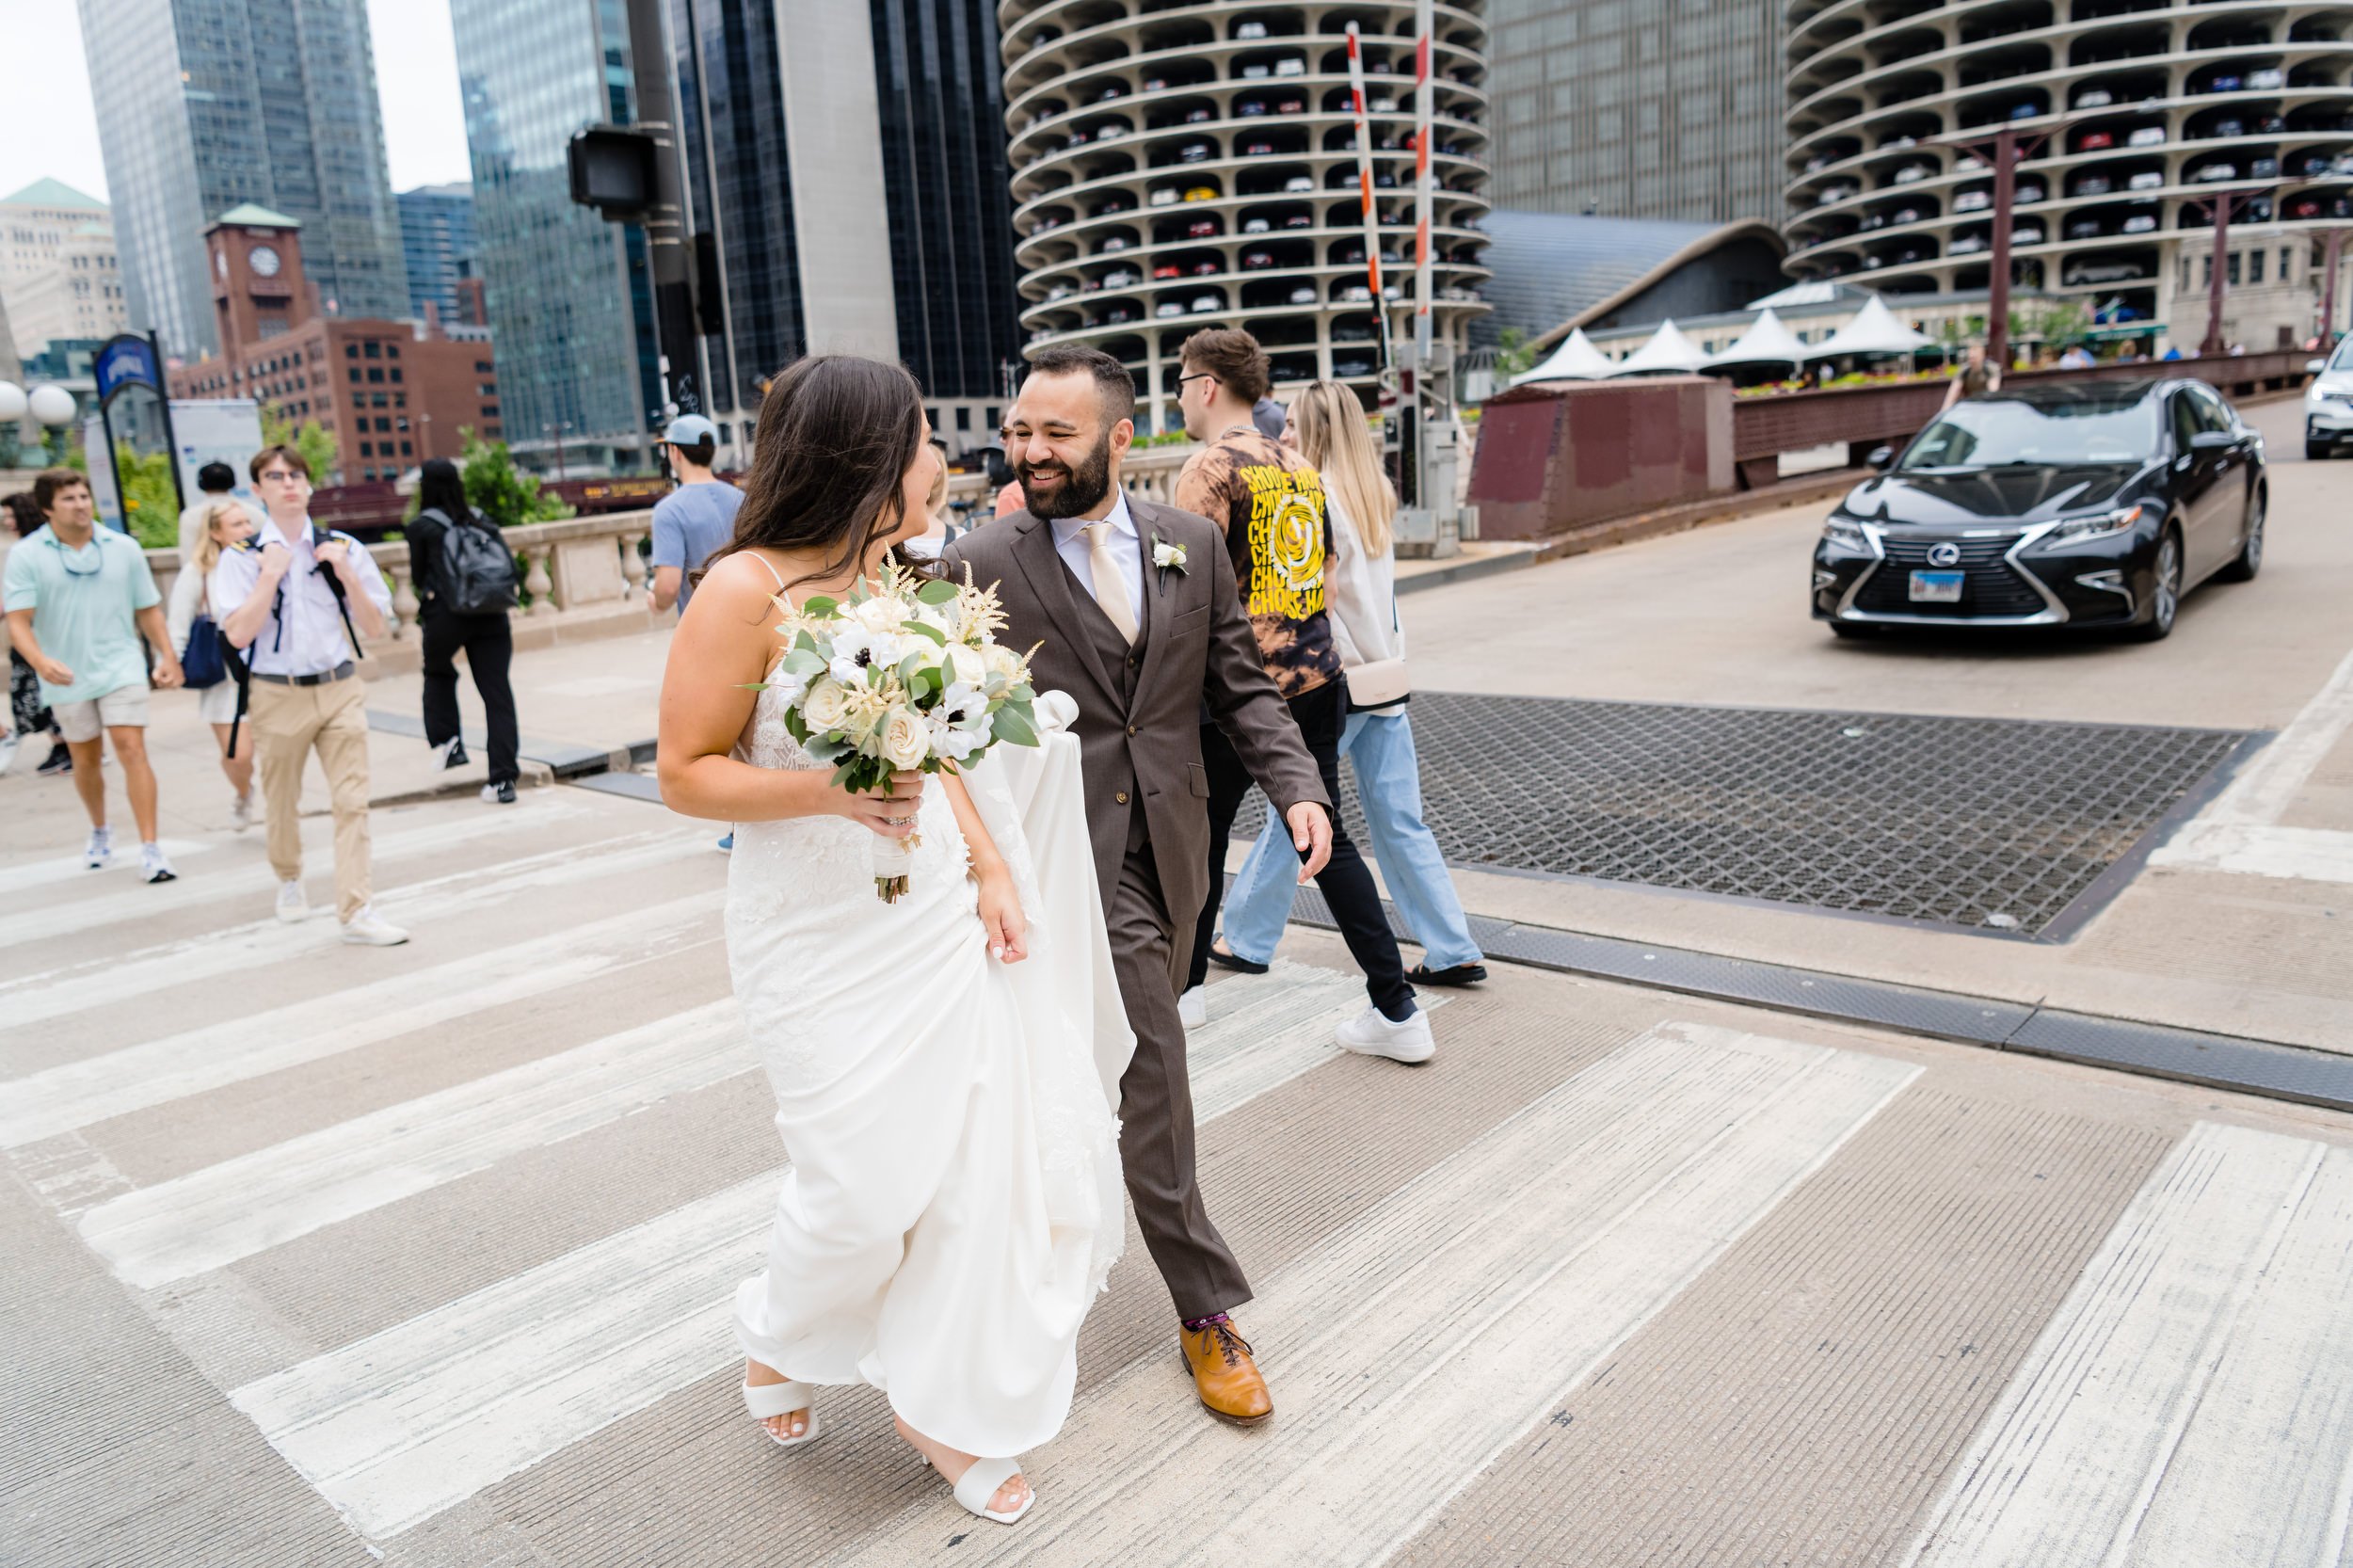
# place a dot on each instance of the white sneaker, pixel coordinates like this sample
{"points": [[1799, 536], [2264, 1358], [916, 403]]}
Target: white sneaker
{"points": [[101, 851], [1371, 1033], [241, 811], [367, 931], [8, 751], [292, 906], [1193, 1007], [154, 866]]}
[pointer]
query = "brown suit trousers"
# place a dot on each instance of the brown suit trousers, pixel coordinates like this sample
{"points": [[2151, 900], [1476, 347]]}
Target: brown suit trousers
{"points": [[1139, 735]]}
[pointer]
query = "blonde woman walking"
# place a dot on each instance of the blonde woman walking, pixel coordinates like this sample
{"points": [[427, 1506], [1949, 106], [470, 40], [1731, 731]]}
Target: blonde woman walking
{"points": [[1327, 427], [221, 526]]}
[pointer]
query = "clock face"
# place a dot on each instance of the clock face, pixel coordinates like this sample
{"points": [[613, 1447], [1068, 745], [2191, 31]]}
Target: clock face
{"points": [[263, 261]]}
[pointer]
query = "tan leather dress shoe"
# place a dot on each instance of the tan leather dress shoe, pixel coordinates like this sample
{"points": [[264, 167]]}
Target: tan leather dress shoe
{"points": [[1224, 1375]]}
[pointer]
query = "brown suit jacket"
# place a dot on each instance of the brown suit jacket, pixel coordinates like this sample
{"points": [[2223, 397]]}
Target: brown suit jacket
{"points": [[1198, 649]]}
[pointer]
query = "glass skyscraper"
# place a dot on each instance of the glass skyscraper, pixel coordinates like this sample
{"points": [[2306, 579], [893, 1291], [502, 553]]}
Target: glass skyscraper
{"points": [[938, 218], [942, 103], [437, 246], [203, 104], [569, 297]]}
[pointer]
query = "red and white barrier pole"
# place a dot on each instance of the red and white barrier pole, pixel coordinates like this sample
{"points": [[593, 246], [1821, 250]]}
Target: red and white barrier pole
{"points": [[1425, 112], [1371, 217]]}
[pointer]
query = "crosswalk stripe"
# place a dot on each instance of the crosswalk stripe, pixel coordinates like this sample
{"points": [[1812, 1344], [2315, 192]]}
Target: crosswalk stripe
{"points": [[1413, 1348], [223, 1212], [2296, 853], [144, 903], [408, 1422], [51, 869], [2191, 1401], [77, 1094], [172, 966]]}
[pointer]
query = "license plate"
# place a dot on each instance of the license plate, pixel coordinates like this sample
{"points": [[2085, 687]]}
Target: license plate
{"points": [[1936, 587]]}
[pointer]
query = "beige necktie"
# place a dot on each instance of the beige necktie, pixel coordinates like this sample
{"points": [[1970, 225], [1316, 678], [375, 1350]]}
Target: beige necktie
{"points": [[1111, 580]]}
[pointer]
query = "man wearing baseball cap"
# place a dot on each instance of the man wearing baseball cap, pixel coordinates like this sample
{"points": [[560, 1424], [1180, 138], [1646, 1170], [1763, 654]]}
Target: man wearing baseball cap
{"points": [[693, 522]]}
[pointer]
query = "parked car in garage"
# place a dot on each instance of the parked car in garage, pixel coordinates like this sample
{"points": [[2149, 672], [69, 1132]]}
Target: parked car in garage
{"points": [[2087, 506]]}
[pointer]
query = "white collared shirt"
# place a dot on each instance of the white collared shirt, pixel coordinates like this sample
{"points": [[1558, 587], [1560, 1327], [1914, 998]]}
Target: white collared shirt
{"points": [[304, 635], [1125, 543]]}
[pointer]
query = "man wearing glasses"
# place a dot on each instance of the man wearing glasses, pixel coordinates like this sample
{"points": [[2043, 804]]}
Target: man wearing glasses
{"points": [[78, 599], [294, 601]]}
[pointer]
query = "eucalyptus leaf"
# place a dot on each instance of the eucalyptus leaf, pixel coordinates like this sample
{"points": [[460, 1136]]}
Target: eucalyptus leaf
{"points": [[925, 628], [820, 607], [937, 591], [1013, 726]]}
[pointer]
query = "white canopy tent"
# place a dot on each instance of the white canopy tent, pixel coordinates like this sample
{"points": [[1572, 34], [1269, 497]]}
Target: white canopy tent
{"points": [[1668, 352], [1576, 359], [1874, 330], [1766, 341]]}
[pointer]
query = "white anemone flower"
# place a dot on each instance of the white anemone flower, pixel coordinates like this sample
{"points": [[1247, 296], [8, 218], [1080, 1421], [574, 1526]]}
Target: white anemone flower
{"points": [[855, 650]]}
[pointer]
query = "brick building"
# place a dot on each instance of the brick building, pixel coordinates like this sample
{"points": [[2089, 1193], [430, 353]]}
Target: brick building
{"points": [[393, 393]]}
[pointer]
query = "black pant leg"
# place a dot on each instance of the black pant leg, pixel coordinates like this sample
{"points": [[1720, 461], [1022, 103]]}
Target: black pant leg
{"points": [[441, 637], [1345, 882], [1229, 783], [489, 649]]}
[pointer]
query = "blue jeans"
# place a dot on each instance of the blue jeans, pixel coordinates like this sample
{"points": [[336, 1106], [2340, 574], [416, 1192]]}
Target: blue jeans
{"points": [[1389, 785]]}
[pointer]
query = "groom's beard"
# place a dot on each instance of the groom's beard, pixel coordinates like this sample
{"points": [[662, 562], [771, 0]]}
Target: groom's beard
{"points": [[1067, 491]]}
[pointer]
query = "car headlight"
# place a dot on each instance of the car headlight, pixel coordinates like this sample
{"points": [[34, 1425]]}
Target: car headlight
{"points": [[2099, 525], [1846, 533]]}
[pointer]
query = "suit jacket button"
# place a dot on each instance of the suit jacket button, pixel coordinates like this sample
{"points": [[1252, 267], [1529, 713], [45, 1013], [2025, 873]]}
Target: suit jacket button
{"points": [[1131, 729], [1121, 797]]}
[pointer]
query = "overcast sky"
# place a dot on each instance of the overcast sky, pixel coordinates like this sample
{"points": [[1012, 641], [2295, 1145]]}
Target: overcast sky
{"points": [[52, 130]]}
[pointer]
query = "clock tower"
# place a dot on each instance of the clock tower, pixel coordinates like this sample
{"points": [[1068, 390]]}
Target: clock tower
{"points": [[258, 287]]}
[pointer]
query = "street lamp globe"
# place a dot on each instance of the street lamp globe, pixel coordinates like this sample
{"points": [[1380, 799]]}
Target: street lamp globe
{"points": [[53, 406], [12, 402]]}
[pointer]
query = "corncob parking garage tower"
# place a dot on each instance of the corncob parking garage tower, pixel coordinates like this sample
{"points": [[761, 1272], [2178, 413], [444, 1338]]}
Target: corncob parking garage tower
{"points": [[2150, 109], [1179, 164]]}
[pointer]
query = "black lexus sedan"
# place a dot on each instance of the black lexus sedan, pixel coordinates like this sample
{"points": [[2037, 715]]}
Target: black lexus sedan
{"points": [[2093, 506]]}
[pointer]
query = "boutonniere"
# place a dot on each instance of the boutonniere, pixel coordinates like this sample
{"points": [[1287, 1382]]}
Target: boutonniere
{"points": [[1165, 555]]}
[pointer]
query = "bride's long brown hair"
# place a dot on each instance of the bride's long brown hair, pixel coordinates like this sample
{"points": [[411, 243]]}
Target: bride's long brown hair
{"points": [[837, 435]]}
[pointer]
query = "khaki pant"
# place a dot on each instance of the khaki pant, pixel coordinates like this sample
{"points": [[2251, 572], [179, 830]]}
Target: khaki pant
{"points": [[288, 721]]}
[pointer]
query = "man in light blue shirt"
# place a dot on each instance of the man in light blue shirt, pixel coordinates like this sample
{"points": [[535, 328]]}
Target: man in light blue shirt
{"points": [[78, 599], [696, 520]]}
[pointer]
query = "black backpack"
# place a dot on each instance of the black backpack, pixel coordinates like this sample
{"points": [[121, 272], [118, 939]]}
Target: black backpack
{"points": [[477, 569]]}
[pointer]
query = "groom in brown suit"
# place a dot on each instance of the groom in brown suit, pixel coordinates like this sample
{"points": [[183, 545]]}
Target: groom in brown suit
{"points": [[1136, 607]]}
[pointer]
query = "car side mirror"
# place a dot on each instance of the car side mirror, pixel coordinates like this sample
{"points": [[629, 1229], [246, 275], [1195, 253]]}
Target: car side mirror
{"points": [[2314, 367], [2212, 440], [1881, 457]]}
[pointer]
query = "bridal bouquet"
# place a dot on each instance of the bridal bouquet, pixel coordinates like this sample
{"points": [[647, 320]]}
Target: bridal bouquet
{"points": [[903, 674]]}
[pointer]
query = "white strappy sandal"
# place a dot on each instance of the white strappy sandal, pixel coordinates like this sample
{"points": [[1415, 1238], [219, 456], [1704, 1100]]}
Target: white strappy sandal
{"points": [[980, 1484], [771, 1399]]}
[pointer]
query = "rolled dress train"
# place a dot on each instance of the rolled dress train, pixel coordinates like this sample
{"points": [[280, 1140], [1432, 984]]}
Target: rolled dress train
{"points": [[953, 1202]]}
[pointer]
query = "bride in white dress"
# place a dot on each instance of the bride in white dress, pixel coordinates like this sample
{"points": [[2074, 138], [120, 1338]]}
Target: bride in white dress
{"points": [[953, 1203]]}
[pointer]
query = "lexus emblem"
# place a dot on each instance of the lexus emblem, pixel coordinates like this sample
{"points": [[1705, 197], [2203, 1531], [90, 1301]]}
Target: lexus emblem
{"points": [[1943, 555]]}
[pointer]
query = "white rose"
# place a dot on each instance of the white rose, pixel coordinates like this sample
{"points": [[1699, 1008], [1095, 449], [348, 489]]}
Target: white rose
{"points": [[1003, 661], [969, 664], [825, 707], [881, 614], [903, 739]]}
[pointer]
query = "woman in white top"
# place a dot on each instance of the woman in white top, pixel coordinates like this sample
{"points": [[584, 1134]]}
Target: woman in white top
{"points": [[1327, 427], [226, 524]]}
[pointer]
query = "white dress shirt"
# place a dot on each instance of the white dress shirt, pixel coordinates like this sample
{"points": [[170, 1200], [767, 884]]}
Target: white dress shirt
{"points": [[304, 635], [1124, 542]]}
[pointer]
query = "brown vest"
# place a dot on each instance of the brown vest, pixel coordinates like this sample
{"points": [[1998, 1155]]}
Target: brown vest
{"points": [[1126, 664]]}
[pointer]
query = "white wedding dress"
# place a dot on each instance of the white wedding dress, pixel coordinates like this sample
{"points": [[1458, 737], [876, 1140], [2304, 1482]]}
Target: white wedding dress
{"points": [[954, 1199]]}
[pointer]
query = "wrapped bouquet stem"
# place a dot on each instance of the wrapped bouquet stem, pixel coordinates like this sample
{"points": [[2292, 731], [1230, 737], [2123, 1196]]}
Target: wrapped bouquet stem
{"points": [[903, 674]]}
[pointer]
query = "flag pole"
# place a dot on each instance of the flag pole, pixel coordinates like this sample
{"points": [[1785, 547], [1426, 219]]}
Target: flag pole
{"points": [[1371, 218]]}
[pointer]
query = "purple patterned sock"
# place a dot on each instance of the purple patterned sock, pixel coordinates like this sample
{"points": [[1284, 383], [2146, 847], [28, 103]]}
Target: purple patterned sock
{"points": [[1196, 1325]]}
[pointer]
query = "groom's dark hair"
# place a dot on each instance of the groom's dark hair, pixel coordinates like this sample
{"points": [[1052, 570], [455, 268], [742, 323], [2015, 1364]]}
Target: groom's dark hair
{"points": [[1112, 380]]}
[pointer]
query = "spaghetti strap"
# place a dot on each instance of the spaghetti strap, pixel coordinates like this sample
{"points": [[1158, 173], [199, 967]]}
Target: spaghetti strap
{"points": [[771, 565]]}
